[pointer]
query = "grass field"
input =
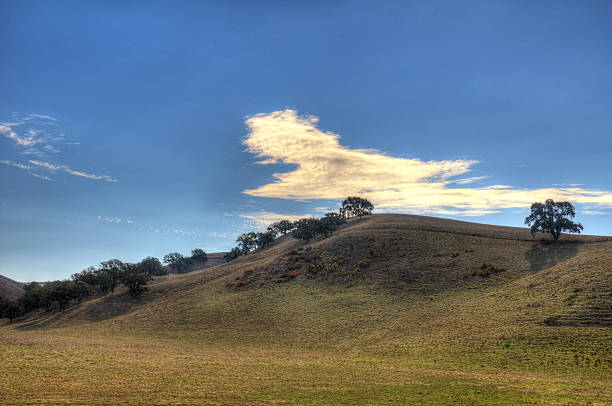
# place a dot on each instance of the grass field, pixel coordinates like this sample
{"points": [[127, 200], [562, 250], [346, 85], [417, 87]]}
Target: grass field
{"points": [[390, 310]]}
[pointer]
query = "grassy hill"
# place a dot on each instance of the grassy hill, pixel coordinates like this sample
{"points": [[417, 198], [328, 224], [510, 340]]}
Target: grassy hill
{"points": [[390, 309], [9, 289]]}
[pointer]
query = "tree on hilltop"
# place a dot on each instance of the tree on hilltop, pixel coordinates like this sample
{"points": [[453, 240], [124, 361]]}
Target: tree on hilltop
{"points": [[281, 227], [178, 262], [247, 242], [153, 266], [354, 206], [198, 254], [553, 218]]}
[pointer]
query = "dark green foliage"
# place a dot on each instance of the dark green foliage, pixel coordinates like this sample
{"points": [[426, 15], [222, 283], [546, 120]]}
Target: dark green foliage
{"points": [[30, 286], [553, 218], [233, 254], [334, 218], [199, 255], [264, 239], [281, 227], [247, 242], [308, 228], [354, 206], [488, 269], [111, 272], [135, 278], [178, 262], [11, 311], [153, 266], [305, 229], [4, 304], [54, 295]]}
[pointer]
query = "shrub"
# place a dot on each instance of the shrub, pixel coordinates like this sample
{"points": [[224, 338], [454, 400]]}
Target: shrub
{"points": [[488, 269]]}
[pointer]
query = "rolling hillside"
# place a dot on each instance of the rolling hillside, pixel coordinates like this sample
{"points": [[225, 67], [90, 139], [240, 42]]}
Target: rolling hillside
{"points": [[9, 289], [390, 309]]}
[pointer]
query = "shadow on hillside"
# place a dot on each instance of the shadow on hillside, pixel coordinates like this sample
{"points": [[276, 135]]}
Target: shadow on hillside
{"points": [[545, 254], [106, 307]]}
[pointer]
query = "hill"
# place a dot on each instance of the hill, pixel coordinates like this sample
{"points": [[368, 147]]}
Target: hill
{"points": [[9, 289], [389, 309]]}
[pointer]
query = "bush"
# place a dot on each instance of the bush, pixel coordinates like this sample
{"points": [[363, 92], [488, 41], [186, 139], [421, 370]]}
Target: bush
{"points": [[488, 269], [233, 254]]}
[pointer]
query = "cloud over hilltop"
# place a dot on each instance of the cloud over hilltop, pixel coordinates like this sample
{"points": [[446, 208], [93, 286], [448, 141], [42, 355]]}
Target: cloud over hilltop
{"points": [[325, 169]]}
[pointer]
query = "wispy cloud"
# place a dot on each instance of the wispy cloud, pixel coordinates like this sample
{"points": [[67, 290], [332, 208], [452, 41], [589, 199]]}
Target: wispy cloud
{"points": [[52, 149], [175, 231], [33, 134], [114, 220], [25, 140], [325, 169], [26, 168], [66, 169]]}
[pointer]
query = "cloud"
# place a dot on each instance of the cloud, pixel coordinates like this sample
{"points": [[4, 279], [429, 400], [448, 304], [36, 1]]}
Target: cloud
{"points": [[114, 220], [325, 169], [28, 139], [26, 168], [263, 219], [28, 131], [176, 231], [66, 169], [51, 148], [42, 177]]}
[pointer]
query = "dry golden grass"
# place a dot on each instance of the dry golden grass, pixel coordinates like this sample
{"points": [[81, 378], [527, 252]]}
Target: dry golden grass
{"points": [[400, 318]]}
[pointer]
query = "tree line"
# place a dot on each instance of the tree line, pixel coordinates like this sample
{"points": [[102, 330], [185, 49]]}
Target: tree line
{"points": [[303, 229], [58, 295]]}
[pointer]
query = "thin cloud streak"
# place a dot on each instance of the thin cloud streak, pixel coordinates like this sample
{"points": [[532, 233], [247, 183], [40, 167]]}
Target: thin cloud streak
{"points": [[26, 168], [66, 169], [327, 170]]}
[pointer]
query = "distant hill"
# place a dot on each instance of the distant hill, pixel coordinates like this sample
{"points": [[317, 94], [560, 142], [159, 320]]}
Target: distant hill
{"points": [[9, 289], [394, 255]]}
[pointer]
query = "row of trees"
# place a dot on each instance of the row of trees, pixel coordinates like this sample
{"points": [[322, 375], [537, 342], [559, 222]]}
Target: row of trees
{"points": [[303, 229], [58, 295], [180, 263]]}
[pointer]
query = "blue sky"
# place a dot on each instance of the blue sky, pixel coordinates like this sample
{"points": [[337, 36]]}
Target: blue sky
{"points": [[140, 129]]}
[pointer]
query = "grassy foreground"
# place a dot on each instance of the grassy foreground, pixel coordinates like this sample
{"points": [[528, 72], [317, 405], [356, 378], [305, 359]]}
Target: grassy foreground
{"points": [[59, 369], [415, 325]]}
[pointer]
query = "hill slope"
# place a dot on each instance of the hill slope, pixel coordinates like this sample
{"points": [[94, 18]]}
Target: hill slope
{"points": [[9, 289], [389, 297]]}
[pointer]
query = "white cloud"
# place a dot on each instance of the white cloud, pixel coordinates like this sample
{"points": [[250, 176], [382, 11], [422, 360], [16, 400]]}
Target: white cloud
{"points": [[25, 140], [327, 170], [66, 169], [114, 220], [26, 168], [42, 177], [51, 148]]}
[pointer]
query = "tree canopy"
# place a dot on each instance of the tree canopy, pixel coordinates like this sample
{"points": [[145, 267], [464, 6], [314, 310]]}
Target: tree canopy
{"points": [[553, 218], [354, 206], [198, 254]]}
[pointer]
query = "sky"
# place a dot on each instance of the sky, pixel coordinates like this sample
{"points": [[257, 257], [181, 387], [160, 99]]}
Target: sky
{"points": [[130, 129]]}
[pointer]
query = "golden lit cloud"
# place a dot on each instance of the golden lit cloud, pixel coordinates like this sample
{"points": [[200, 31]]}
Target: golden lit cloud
{"points": [[327, 170]]}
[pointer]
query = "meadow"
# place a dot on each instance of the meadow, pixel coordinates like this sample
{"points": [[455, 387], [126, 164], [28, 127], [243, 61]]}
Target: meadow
{"points": [[389, 310]]}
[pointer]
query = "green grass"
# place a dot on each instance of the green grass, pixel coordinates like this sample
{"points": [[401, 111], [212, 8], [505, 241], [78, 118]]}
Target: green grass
{"points": [[408, 328]]}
